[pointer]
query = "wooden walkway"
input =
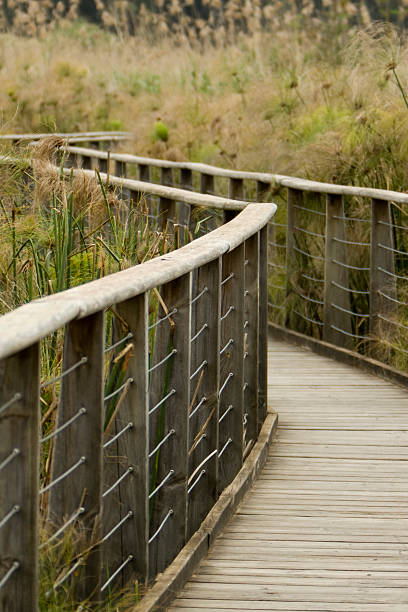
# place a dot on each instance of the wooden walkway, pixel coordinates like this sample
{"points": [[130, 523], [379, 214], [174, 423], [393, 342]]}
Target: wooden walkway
{"points": [[325, 527]]}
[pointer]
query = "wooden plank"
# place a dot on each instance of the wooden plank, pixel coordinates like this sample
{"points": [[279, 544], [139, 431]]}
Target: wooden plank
{"points": [[263, 327], [19, 461], [196, 605]]}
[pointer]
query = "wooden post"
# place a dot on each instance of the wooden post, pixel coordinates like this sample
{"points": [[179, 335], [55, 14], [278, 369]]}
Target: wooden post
{"points": [[207, 186], [167, 208], [87, 162], [204, 409], [120, 170], [103, 164], [251, 339], [82, 388], [231, 429], [169, 503], [134, 444], [336, 276], [382, 269], [183, 209], [19, 470], [235, 192], [295, 198], [263, 327]]}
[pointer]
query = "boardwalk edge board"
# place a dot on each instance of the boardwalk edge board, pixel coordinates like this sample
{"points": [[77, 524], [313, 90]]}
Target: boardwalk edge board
{"points": [[174, 577], [372, 366]]}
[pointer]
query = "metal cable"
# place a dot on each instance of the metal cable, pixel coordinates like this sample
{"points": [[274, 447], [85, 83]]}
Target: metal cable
{"points": [[65, 373], [116, 572], [14, 566], [366, 244], [311, 278], [227, 278], [350, 312], [318, 257], [163, 482], [69, 522], [205, 326], [342, 331], [14, 510], [118, 481], [392, 299], [163, 319], [228, 442], [307, 318], [76, 416], [392, 322], [195, 483], [387, 248], [63, 475], [16, 397], [349, 290], [117, 526], [309, 299], [230, 341], [173, 352], [160, 444], [162, 524], [11, 456], [118, 343], [310, 210], [200, 403], [197, 297], [275, 265], [392, 274], [224, 316], [340, 263], [230, 375], [222, 417], [308, 232], [272, 305], [128, 382], [200, 465], [121, 432], [351, 219], [276, 244], [165, 398], [200, 367]]}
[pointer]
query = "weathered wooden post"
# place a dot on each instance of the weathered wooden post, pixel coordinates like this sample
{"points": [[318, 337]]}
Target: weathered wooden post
{"points": [[169, 425], [382, 274], [231, 429], [336, 276], [19, 471], [74, 456], [204, 408]]}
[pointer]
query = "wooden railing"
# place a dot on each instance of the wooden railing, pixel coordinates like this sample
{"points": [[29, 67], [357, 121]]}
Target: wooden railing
{"points": [[337, 258], [136, 469]]}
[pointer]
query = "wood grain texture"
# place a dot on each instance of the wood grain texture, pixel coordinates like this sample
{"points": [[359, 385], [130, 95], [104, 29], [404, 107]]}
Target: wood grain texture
{"points": [[325, 526]]}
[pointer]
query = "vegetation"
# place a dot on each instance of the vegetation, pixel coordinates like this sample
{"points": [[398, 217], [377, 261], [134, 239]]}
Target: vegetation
{"points": [[256, 86]]}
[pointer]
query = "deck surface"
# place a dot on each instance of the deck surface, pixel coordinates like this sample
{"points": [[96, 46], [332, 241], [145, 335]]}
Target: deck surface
{"points": [[325, 527]]}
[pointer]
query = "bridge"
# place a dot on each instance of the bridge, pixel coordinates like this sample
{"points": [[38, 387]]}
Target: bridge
{"points": [[251, 454]]}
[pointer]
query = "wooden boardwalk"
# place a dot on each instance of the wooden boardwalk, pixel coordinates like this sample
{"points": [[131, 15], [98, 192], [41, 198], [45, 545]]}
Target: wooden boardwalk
{"points": [[325, 527]]}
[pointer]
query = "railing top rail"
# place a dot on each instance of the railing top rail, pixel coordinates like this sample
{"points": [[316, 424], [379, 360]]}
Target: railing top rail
{"points": [[31, 322], [72, 136], [171, 193], [273, 179]]}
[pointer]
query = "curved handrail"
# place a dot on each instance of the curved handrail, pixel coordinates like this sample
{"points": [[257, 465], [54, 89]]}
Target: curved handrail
{"points": [[263, 177], [31, 322], [70, 136]]}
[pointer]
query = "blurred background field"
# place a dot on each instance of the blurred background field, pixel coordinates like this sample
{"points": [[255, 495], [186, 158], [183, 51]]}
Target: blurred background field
{"points": [[289, 87]]}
